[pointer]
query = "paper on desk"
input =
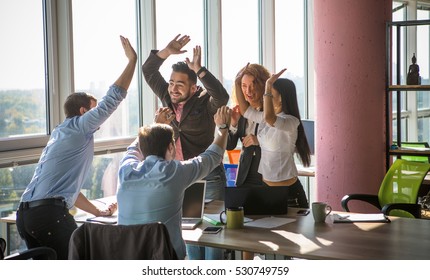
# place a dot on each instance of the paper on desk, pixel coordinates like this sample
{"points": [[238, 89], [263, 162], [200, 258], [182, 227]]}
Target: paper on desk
{"points": [[352, 218], [269, 222], [104, 219]]}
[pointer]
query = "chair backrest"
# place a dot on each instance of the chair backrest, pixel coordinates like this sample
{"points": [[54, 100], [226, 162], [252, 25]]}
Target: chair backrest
{"points": [[402, 183], [93, 241], [39, 253], [415, 145], [2, 248]]}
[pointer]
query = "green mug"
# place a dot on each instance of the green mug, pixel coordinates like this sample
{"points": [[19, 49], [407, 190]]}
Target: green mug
{"points": [[234, 217]]}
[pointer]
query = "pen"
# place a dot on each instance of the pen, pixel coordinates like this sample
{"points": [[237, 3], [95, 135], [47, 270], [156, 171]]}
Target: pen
{"points": [[343, 217]]}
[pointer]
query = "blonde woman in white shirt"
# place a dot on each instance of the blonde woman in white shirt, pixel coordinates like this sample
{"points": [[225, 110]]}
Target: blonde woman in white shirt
{"points": [[281, 134]]}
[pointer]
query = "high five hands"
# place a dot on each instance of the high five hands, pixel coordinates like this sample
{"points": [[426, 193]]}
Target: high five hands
{"points": [[272, 79], [164, 115], [176, 47]]}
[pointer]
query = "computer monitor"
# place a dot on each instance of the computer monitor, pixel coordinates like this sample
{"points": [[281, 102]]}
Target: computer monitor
{"points": [[309, 126]]}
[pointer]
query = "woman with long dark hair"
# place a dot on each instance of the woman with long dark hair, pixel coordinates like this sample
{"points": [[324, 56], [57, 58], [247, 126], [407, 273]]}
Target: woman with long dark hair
{"points": [[281, 135]]}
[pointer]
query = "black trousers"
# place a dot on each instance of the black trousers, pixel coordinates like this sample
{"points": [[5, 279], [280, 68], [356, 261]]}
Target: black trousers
{"points": [[46, 225], [296, 195]]}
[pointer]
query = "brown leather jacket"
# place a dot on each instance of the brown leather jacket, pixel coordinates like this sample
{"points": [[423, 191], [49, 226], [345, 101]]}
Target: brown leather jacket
{"points": [[196, 127]]}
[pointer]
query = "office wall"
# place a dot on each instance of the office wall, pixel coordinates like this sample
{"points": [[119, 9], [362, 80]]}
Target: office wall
{"points": [[350, 80]]}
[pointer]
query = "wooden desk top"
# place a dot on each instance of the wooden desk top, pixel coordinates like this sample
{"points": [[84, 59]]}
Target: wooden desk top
{"points": [[306, 171], [401, 239], [411, 151]]}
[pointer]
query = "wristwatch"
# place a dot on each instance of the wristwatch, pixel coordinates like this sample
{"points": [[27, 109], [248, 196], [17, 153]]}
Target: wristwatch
{"points": [[223, 126]]}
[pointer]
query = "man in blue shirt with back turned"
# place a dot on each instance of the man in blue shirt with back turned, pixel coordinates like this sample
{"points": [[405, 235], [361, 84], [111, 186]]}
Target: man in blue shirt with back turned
{"points": [[43, 217], [152, 181]]}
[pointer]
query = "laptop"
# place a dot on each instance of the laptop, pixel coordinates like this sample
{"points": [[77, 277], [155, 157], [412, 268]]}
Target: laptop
{"points": [[193, 205], [258, 200]]}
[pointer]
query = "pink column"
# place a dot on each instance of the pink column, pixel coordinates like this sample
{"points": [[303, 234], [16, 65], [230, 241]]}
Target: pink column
{"points": [[350, 97]]}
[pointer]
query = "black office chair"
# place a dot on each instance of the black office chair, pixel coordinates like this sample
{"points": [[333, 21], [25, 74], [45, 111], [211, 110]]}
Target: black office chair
{"points": [[93, 241], [39, 253]]}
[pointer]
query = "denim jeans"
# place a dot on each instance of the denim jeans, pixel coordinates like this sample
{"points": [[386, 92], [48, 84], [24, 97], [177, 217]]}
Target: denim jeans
{"points": [[216, 181], [195, 252]]}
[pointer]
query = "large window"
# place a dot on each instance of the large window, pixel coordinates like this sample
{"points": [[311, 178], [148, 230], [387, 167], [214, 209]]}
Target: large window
{"points": [[179, 17], [423, 97], [290, 45], [99, 57], [101, 182], [22, 70], [240, 37], [415, 105], [52, 48]]}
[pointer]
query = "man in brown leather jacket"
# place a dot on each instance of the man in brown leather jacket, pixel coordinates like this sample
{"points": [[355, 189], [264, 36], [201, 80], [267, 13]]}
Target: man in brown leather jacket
{"points": [[193, 106]]}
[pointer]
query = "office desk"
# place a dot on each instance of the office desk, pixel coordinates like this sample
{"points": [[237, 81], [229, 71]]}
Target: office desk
{"points": [[306, 171], [401, 239]]}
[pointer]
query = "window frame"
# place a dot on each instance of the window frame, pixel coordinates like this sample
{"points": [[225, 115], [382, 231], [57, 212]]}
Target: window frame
{"points": [[59, 69]]}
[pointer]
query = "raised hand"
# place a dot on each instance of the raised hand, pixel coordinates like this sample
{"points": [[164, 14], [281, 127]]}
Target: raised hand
{"points": [[272, 79], [196, 64], [175, 46], [128, 49], [222, 116]]}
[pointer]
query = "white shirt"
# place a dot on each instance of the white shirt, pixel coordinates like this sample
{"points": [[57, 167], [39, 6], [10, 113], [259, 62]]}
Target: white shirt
{"points": [[278, 145]]}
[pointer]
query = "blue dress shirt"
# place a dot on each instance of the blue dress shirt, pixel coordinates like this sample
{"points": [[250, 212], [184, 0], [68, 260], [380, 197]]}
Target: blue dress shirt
{"points": [[67, 158], [152, 190]]}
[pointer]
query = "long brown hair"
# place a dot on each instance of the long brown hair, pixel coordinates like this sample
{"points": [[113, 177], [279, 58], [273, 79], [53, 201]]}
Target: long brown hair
{"points": [[287, 90], [260, 74]]}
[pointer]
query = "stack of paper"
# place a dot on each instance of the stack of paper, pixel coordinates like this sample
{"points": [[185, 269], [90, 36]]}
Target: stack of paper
{"points": [[366, 218]]}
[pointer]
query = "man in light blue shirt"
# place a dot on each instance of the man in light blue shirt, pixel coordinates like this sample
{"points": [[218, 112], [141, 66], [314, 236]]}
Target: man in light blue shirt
{"points": [[152, 182], [43, 218]]}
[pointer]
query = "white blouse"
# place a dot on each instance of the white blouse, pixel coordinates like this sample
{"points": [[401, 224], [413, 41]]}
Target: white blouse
{"points": [[278, 145]]}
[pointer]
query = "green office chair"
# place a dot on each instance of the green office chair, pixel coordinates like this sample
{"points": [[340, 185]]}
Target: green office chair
{"points": [[398, 194], [415, 145]]}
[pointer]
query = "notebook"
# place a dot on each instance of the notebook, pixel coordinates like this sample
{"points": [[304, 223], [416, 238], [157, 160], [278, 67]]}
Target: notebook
{"points": [[258, 200], [193, 205]]}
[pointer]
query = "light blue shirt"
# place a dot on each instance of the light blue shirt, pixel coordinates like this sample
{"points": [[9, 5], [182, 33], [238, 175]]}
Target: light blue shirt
{"points": [[67, 158], [152, 190]]}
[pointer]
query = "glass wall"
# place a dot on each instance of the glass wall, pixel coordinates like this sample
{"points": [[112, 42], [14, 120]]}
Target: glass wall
{"points": [[168, 25], [423, 60], [290, 45], [240, 37], [22, 70], [99, 58], [415, 105], [35, 68]]}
